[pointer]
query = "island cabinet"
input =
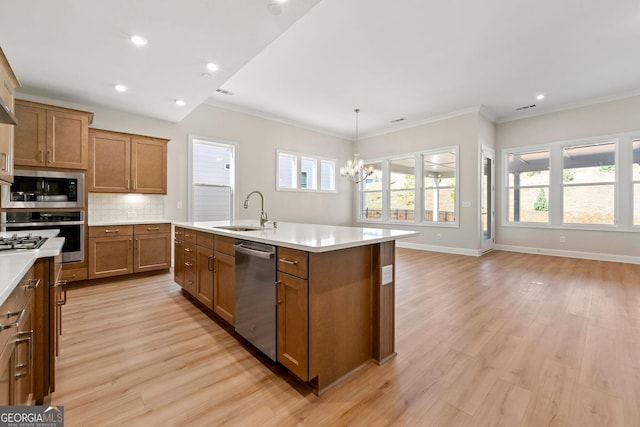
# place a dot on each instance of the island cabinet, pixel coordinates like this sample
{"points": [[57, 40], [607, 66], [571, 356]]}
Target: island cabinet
{"points": [[51, 137], [126, 163], [8, 83], [124, 249], [205, 268]]}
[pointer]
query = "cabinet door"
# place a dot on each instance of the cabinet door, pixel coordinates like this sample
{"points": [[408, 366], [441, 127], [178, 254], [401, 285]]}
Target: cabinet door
{"points": [[67, 140], [23, 360], [110, 165], [7, 132], [110, 256], [152, 252], [31, 134], [293, 324], [148, 166], [204, 281], [178, 262], [6, 373], [224, 287]]}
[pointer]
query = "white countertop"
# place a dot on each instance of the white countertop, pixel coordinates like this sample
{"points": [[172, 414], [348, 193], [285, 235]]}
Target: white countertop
{"points": [[15, 264], [126, 222], [306, 237]]}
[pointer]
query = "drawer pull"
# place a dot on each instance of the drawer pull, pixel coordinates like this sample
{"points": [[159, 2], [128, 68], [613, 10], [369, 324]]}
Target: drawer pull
{"points": [[112, 231], [31, 285], [15, 324], [153, 228], [188, 250], [286, 261], [188, 264], [63, 285], [24, 369]]}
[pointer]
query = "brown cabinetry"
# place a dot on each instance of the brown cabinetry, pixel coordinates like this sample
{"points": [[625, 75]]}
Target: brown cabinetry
{"points": [[205, 268], [8, 83], [293, 311], [51, 137], [125, 249], [126, 163]]}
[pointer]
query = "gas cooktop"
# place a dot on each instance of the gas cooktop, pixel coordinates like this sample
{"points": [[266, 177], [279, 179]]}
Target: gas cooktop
{"points": [[16, 242]]}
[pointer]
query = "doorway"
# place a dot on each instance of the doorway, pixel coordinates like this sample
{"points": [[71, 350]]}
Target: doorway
{"points": [[487, 203]]}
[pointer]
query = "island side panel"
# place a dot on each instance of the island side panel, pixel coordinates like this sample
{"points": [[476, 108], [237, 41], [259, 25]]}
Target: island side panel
{"points": [[383, 302], [339, 313]]}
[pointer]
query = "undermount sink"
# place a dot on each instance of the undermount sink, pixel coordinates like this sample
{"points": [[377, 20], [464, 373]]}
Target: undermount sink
{"points": [[237, 228]]}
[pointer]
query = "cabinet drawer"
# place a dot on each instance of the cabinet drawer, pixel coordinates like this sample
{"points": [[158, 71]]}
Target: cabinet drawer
{"points": [[189, 249], [225, 244], [205, 239], [111, 230], [73, 274], [293, 261], [189, 265], [189, 235], [139, 229]]}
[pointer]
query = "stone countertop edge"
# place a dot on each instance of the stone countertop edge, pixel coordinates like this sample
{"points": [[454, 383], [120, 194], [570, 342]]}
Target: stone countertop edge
{"points": [[306, 237], [125, 222]]}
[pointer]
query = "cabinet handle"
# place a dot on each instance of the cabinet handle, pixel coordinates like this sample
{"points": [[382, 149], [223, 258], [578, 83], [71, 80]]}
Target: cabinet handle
{"points": [[279, 300], [49, 156], [189, 282], [30, 284], [128, 188], [117, 230], [188, 235], [63, 285], [41, 156], [5, 168], [177, 242], [28, 338], [286, 261], [188, 249], [153, 228], [15, 324], [211, 267], [188, 264]]}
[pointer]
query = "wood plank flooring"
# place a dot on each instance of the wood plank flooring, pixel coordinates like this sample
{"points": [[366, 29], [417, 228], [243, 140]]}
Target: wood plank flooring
{"points": [[506, 339]]}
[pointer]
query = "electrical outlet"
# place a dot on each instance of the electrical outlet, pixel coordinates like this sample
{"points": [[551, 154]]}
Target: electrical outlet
{"points": [[563, 239], [131, 214], [438, 236], [179, 205]]}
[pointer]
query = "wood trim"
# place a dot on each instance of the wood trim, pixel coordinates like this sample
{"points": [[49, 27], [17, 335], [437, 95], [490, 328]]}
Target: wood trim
{"points": [[383, 304], [89, 114]]}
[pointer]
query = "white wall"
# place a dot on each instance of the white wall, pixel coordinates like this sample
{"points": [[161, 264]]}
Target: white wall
{"points": [[461, 130], [257, 140], [590, 121]]}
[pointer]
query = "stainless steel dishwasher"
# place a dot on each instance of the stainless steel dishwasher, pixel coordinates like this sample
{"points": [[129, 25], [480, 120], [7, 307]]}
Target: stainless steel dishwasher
{"points": [[256, 295]]}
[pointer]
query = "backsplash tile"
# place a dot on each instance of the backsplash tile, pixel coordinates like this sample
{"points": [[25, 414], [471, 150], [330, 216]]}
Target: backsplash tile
{"points": [[105, 207]]}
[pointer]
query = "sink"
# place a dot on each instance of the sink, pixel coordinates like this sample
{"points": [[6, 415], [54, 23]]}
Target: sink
{"points": [[237, 228]]}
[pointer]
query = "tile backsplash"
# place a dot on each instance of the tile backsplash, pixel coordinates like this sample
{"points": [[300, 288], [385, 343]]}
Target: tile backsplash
{"points": [[105, 207]]}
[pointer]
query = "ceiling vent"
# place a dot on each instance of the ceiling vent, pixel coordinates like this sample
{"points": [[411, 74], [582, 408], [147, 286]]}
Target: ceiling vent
{"points": [[525, 107], [225, 92], [397, 120]]}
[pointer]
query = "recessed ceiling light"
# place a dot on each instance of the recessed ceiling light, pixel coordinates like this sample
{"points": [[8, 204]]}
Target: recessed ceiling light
{"points": [[180, 103], [540, 97], [138, 40], [212, 67], [121, 88]]}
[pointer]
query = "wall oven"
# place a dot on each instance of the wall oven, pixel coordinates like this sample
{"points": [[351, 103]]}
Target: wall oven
{"points": [[44, 190], [70, 223]]}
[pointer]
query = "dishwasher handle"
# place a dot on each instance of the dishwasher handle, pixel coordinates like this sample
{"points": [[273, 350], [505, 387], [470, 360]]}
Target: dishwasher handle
{"points": [[253, 252]]}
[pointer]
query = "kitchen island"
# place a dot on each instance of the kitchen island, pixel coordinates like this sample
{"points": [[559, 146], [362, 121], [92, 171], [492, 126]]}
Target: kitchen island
{"points": [[334, 287]]}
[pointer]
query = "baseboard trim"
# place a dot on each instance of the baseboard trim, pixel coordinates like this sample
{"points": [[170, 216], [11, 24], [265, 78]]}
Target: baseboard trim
{"points": [[443, 249], [571, 254]]}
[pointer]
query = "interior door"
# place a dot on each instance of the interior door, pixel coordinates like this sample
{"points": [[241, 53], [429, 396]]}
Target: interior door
{"points": [[487, 212]]}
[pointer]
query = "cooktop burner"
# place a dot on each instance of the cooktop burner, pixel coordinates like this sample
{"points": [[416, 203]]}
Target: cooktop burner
{"points": [[21, 242]]}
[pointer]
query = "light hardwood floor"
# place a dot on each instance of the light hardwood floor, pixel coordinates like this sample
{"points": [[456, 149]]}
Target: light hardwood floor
{"points": [[505, 339]]}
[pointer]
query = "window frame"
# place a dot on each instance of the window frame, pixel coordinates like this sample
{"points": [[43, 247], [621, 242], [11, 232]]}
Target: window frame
{"points": [[418, 189], [318, 175], [623, 184]]}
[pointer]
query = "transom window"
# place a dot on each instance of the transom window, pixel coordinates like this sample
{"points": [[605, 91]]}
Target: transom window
{"points": [[302, 172]]}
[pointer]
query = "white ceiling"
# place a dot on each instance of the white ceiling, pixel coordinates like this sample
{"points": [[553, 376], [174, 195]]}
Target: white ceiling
{"points": [[410, 59]]}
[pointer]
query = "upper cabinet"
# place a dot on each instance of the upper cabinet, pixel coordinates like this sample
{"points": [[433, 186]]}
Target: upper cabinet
{"points": [[8, 83], [126, 163], [51, 137]]}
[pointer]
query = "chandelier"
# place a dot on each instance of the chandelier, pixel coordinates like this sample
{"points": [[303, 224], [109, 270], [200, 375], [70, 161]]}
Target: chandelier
{"points": [[355, 169]]}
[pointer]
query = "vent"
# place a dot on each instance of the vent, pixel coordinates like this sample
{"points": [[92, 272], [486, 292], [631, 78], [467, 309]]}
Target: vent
{"points": [[525, 107], [225, 92], [397, 120]]}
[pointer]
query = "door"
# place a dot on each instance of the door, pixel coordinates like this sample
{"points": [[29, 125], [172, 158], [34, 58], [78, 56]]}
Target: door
{"points": [[67, 140], [110, 256], [148, 166], [487, 204], [204, 281], [30, 136], [109, 162], [224, 287], [152, 252], [293, 324]]}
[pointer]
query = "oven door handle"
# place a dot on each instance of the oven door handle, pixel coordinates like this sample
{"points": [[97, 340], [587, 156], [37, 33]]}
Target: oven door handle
{"points": [[40, 224]]}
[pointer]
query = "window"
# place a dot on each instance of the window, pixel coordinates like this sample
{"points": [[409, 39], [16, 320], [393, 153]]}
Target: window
{"points": [[392, 193], [439, 182], [528, 186], [402, 183], [588, 183], [636, 181], [371, 194], [211, 180], [301, 172]]}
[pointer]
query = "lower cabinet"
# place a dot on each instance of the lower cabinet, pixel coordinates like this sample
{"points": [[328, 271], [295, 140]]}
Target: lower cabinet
{"points": [[126, 249], [205, 276], [293, 324], [224, 286]]}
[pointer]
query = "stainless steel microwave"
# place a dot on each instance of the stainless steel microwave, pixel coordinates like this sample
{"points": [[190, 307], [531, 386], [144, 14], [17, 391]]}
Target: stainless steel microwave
{"points": [[44, 189]]}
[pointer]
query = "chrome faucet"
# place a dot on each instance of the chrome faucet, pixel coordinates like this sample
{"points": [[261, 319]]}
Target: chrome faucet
{"points": [[263, 214]]}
